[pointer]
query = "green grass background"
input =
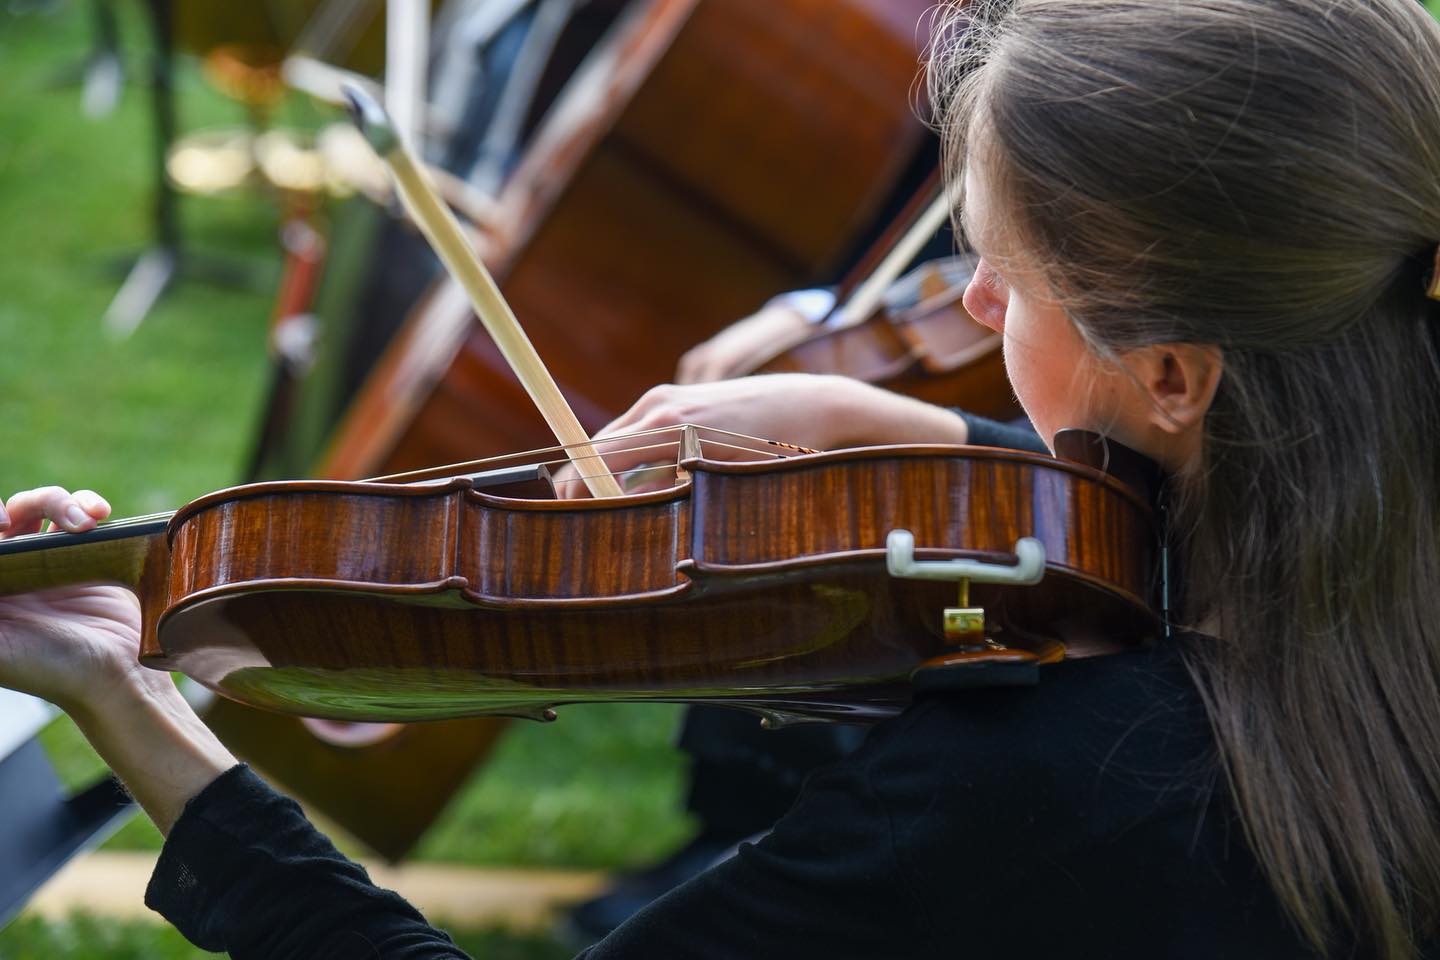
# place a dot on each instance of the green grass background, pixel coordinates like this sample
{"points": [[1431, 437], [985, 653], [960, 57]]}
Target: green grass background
{"points": [[168, 414]]}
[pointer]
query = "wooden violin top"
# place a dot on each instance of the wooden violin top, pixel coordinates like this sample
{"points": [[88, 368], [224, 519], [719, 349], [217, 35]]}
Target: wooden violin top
{"points": [[762, 583]]}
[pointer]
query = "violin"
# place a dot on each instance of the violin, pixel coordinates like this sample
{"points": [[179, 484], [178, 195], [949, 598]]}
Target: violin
{"points": [[911, 333], [425, 599], [920, 341], [446, 594]]}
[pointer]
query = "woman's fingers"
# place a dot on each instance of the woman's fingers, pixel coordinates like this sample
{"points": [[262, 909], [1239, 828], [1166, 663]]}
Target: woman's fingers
{"points": [[621, 457], [73, 512], [623, 454], [805, 409], [94, 506]]}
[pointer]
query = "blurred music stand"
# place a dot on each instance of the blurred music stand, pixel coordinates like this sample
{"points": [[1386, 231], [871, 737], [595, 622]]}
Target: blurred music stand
{"points": [[44, 825], [104, 71], [101, 75], [165, 261]]}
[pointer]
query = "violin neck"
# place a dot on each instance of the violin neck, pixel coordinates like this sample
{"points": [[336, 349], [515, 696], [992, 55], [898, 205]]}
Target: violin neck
{"points": [[111, 553]]}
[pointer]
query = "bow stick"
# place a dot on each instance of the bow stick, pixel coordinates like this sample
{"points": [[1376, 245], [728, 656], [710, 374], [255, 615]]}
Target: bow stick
{"points": [[871, 293], [449, 242]]}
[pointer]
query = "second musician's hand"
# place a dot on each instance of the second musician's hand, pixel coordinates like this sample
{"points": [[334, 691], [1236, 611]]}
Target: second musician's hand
{"points": [[822, 412], [742, 346]]}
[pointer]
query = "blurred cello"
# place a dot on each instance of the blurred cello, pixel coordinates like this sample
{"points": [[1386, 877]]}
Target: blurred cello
{"points": [[708, 156], [920, 341]]}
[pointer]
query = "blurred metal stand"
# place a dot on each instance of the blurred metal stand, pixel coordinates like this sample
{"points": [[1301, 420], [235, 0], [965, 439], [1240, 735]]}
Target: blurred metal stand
{"points": [[502, 136], [165, 261], [104, 71], [407, 51], [101, 75], [45, 825]]}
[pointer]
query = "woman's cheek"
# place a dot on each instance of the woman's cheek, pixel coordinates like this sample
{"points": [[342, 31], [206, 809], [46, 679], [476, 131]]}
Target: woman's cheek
{"points": [[1034, 380]]}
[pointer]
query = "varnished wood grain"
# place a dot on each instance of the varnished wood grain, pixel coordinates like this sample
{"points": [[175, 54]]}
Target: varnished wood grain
{"points": [[758, 582]]}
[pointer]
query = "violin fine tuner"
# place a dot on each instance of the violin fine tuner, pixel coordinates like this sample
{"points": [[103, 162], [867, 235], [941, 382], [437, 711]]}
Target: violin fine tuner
{"points": [[964, 625]]}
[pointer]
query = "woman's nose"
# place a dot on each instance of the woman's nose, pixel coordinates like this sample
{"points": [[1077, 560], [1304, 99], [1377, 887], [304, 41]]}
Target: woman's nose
{"points": [[984, 299]]}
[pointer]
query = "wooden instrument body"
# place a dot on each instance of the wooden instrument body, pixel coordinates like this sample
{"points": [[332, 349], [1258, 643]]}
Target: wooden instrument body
{"points": [[760, 584], [930, 347], [715, 153]]}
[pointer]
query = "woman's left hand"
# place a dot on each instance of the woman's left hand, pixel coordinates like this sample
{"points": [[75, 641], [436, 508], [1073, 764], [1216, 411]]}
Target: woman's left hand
{"points": [[69, 645], [78, 647]]}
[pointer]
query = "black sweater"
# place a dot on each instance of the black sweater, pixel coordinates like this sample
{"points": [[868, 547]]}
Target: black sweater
{"points": [[1083, 817]]}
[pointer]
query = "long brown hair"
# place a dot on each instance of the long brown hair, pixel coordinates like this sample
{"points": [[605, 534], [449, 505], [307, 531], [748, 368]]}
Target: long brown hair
{"points": [[1263, 175]]}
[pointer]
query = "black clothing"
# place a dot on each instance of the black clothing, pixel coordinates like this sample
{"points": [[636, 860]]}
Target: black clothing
{"points": [[1012, 436], [744, 777], [1083, 817]]}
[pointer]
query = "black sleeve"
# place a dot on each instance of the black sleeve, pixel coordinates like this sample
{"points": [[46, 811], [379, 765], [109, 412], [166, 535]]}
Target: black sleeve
{"points": [[991, 433], [1007, 435], [825, 883], [1077, 818], [244, 872]]}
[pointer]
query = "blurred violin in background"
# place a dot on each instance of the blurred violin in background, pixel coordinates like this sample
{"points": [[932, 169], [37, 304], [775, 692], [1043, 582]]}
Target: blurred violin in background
{"points": [[903, 331], [921, 341]]}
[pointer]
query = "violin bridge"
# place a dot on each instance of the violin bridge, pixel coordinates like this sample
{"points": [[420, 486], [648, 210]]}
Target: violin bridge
{"points": [[687, 449]]}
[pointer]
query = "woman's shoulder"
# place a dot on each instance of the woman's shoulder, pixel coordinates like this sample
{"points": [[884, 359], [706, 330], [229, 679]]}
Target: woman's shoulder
{"points": [[1100, 753], [1099, 787], [1130, 717]]}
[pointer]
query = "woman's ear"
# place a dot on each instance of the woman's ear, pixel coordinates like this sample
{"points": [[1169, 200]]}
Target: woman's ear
{"points": [[1181, 379]]}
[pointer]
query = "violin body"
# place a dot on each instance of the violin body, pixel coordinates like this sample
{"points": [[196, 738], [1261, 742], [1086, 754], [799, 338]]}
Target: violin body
{"points": [[380, 601], [921, 342]]}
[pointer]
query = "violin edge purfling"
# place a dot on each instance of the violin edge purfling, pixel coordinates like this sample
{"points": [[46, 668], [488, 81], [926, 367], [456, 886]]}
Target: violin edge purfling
{"points": [[754, 581]]}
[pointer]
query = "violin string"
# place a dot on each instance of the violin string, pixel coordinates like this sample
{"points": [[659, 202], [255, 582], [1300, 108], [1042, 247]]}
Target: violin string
{"points": [[637, 449], [547, 455], [763, 441], [617, 474], [763, 454], [631, 449], [108, 525], [678, 431]]}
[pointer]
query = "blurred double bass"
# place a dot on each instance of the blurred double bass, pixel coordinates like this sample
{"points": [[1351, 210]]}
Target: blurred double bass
{"points": [[707, 155]]}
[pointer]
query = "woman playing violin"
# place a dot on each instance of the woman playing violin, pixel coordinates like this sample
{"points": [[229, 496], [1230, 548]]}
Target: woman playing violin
{"points": [[1208, 230]]}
